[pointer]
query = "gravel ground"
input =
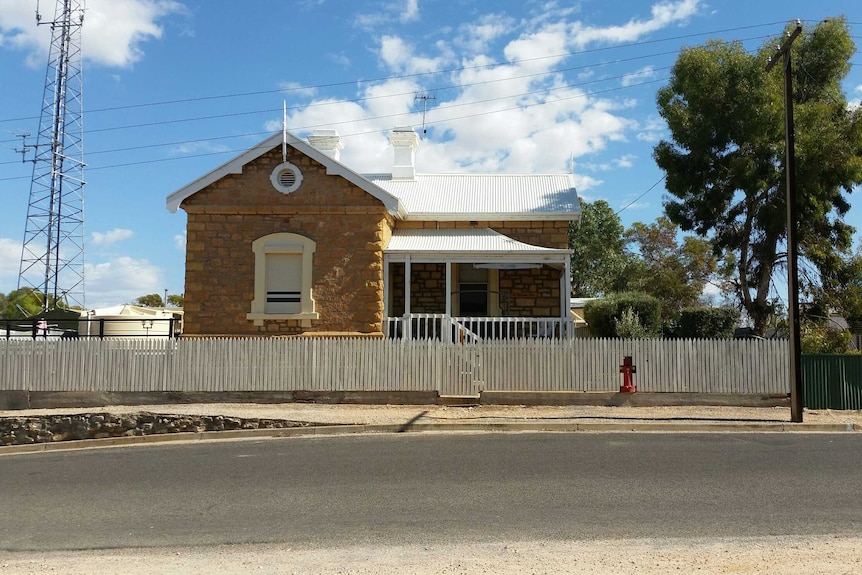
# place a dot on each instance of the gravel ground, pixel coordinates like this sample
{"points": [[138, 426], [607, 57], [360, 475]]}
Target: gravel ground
{"points": [[784, 555], [394, 414]]}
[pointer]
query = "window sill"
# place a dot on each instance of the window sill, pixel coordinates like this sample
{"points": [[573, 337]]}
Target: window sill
{"points": [[259, 318]]}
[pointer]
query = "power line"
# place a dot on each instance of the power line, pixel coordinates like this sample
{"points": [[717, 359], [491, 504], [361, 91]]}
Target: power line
{"points": [[418, 74], [451, 86], [449, 107], [367, 119], [462, 104], [630, 204], [399, 94]]}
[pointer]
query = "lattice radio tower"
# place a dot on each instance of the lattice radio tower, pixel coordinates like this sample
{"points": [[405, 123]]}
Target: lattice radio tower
{"points": [[52, 258]]}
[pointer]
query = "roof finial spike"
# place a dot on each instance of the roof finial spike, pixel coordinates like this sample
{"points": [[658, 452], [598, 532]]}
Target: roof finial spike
{"points": [[284, 131]]}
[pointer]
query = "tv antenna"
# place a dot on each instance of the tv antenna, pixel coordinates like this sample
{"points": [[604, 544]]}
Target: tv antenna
{"points": [[52, 256], [424, 98]]}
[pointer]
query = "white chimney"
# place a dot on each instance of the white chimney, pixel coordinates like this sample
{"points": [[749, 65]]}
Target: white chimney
{"points": [[405, 141], [328, 142]]}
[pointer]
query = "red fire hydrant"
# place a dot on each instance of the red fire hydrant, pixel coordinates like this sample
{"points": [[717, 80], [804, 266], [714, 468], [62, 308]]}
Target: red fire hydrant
{"points": [[627, 369]]}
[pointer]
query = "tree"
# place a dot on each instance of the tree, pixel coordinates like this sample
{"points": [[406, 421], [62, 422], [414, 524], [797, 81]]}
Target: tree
{"points": [[599, 257], [819, 337], [675, 273], [24, 302], [841, 291], [150, 300], [707, 322], [176, 300], [724, 162]]}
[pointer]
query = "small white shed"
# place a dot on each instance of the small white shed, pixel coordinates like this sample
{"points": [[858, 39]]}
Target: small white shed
{"points": [[129, 321]]}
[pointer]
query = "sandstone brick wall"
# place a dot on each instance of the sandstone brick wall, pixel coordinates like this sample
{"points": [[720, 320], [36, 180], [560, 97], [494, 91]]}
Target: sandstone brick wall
{"points": [[349, 226], [427, 288], [531, 293], [549, 234]]}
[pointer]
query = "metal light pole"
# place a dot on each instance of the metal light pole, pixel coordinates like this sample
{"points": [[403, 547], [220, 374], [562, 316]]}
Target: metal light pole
{"points": [[796, 399]]}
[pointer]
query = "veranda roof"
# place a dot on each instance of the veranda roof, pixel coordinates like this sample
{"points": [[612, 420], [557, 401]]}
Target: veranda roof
{"points": [[477, 244]]}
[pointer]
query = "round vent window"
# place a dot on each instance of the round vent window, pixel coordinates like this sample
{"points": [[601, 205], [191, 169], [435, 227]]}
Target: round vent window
{"points": [[286, 178]]}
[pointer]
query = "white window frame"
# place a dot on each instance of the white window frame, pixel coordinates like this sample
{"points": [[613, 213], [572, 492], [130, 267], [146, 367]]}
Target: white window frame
{"points": [[282, 243]]}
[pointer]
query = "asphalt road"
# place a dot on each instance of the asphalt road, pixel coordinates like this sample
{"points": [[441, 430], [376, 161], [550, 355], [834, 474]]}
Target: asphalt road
{"points": [[444, 488]]}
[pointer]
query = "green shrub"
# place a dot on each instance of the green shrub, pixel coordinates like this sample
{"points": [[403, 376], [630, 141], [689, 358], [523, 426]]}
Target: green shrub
{"points": [[604, 315], [707, 322], [599, 315], [818, 338], [629, 326]]}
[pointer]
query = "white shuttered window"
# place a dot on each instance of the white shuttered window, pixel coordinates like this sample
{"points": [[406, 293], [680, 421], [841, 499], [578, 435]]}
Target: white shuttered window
{"points": [[283, 279], [283, 283]]}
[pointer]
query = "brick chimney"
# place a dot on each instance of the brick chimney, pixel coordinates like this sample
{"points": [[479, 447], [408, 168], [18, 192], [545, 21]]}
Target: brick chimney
{"points": [[405, 141], [328, 142]]}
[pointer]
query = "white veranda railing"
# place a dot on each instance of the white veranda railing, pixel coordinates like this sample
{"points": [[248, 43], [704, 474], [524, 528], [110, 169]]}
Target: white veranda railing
{"points": [[474, 329]]}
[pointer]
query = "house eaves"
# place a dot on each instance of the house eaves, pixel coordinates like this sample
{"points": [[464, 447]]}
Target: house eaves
{"points": [[333, 168]]}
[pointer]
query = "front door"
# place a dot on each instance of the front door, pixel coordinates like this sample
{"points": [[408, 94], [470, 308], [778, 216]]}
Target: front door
{"points": [[472, 291]]}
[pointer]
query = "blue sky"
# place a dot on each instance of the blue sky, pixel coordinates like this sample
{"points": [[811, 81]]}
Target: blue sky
{"points": [[174, 88]]}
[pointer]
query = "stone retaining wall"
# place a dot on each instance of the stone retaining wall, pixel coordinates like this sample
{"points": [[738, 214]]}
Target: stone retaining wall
{"points": [[47, 429]]}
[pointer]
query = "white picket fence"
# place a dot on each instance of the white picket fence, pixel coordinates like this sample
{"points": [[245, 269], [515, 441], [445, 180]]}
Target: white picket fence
{"points": [[318, 364]]}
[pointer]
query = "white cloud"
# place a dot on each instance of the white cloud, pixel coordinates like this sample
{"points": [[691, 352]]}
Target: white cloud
{"points": [[121, 280], [180, 241], [10, 259], [341, 59], [410, 12], [118, 280], [663, 15], [519, 115], [541, 49], [400, 56], [626, 161], [638, 77], [204, 147], [584, 183], [297, 89], [113, 31], [110, 237], [403, 11], [634, 206], [476, 38], [651, 130]]}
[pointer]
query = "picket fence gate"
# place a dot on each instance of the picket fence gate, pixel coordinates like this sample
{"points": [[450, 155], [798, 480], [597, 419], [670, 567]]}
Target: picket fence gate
{"points": [[320, 364]]}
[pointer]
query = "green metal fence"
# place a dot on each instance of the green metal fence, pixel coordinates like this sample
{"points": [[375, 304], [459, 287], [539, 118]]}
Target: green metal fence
{"points": [[832, 381]]}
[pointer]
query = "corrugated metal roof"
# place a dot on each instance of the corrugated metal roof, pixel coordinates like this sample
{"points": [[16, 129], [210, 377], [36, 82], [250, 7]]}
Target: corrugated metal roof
{"points": [[494, 196], [454, 241]]}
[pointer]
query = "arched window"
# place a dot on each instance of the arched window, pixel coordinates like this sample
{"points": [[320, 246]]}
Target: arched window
{"points": [[282, 278]]}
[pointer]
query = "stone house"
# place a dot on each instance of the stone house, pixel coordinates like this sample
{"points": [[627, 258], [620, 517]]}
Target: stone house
{"points": [[285, 239]]}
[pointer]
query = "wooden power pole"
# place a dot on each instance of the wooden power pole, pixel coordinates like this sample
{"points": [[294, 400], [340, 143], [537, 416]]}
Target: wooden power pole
{"points": [[796, 399]]}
